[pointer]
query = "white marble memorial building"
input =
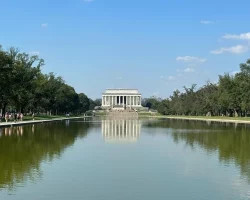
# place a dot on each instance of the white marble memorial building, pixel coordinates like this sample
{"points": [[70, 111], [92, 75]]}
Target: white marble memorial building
{"points": [[121, 98]]}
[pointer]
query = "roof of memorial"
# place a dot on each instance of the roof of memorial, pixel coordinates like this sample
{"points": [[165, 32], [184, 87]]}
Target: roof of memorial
{"points": [[121, 91]]}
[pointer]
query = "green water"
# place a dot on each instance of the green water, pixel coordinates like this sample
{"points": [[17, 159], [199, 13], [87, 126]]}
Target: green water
{"points": [[105, 159]]}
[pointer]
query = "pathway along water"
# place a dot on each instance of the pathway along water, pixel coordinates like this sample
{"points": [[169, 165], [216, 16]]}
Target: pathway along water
{"points": [[227, 120], [20, 123]]}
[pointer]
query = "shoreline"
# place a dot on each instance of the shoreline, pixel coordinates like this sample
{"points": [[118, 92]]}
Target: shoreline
{"points": [[21, 123], [211, 119], [205, 119]]}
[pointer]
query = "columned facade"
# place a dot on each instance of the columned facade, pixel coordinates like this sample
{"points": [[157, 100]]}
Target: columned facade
{"points": [[125, 98]]}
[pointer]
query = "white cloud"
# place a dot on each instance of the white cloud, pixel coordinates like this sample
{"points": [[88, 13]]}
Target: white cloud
{"points": [[206, 22], [34, 53], [238, 49], [119, 78], [242, 36], [233, 73], [189, 69], [166, 80], [156, 94], [171, 78], [191, 59], [44, 25]]}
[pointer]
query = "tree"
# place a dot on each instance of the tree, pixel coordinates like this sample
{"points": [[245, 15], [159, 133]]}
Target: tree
{"points": [[84, 103], [6, 68], [23, 87], [151, 103]]}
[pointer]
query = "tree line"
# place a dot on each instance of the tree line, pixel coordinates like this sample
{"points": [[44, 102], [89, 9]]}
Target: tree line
{"points": [[24, 88], [230, 96]]}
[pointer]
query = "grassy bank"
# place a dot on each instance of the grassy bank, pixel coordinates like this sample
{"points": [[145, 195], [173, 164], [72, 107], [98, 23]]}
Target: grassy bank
{"points": [[148, 114], [100, 113]]}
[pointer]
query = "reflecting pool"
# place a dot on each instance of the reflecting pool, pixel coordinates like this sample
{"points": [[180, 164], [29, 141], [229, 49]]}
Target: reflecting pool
{"points": [[123, 158]]}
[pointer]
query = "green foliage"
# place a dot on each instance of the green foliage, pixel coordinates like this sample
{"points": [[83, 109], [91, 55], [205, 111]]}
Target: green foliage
{"points": [[229, 97], [84, 102], [24, 88], [94, 103], [151, 103]]}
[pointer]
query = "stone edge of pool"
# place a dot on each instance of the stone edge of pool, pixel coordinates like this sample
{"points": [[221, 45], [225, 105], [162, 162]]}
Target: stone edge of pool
{"points": [[9, 124]]}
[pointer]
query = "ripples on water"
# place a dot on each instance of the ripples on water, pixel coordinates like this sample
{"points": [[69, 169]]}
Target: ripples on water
{"points": [[137, 158]]}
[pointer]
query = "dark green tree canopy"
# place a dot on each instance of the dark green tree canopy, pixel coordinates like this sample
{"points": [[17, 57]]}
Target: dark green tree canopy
{"points": [[229, 97], [24, 88]]}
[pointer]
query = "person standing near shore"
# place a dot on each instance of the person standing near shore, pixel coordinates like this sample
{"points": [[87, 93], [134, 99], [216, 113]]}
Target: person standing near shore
{"points": [[21, 116], [15, 117], [33, 116], [6, 117], [18, 117]]}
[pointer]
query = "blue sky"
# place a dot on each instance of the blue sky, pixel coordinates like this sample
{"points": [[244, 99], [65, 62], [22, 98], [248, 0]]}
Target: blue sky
{"points": [[156, 46]]}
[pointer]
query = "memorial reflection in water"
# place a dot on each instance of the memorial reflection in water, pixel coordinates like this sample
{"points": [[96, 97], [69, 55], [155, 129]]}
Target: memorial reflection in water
{"points": [[121, 130]]}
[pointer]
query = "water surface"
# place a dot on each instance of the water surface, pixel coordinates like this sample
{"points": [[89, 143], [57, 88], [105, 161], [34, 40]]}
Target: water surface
{"points": [[125, 159]]}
